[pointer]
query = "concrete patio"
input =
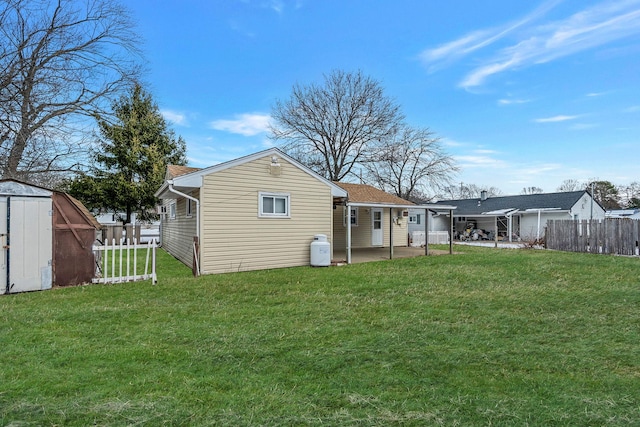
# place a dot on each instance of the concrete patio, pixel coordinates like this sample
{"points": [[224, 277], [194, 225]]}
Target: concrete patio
{"points": [[378, 254]]}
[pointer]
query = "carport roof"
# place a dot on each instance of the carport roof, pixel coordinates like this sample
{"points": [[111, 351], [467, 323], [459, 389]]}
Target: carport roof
{"points": [[531, 202]]}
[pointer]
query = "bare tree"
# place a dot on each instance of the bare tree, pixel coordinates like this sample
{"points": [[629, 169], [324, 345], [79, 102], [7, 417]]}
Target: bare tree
{"points": [[630, 195], [411, 163], [61, 61], [569, 185], [464, 191], [532, 190], [331, 127]]}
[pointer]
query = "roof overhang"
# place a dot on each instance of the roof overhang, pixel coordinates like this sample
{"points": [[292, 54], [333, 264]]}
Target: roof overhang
{"points": [[194, 180], [544, 209], [184, 184], [501, 212], [399, 206]]}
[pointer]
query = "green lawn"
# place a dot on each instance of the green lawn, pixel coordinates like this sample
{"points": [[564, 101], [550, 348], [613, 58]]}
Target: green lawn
{"points": [[485, 337]]}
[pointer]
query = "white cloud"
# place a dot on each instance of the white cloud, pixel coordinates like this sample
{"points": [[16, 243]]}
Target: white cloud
{"points": [[555, 119], [632, 109], [479, 161], [174, 117], [530, 45], [512, 101], [248, 124], [449, 52]]}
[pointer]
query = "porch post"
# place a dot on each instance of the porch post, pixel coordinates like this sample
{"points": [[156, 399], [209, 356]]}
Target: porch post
{"points": [[390, 233], [348, 219], [495, 237], [450, 231], [426, 231]]}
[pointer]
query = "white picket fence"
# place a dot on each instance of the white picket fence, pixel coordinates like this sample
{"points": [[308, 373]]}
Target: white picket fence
{"points": [[118, 263]]}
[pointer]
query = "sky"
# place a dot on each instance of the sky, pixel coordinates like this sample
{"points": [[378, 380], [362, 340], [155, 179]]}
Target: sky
{"points": [[521, 93]]}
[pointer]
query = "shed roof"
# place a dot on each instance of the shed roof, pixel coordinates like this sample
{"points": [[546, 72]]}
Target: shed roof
{"points": [[560, 201], [12, 187], [85, 212]]}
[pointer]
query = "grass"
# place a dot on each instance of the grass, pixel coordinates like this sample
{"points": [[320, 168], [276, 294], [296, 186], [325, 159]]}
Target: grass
{"points": [[486, 337]]}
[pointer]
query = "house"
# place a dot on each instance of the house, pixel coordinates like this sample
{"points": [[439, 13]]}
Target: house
{"points": [[46, 239], [521, 217], [263, 210], [257, 212]]}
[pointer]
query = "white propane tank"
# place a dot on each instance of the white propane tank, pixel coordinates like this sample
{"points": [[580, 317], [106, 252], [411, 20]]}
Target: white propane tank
{"points": [[320, 251]]}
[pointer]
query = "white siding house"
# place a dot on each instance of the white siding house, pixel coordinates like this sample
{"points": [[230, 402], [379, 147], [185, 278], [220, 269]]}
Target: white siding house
{"points": [[522, 217]]}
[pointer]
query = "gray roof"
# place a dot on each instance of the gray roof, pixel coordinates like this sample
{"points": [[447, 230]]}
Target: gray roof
{"points": [[471, 207]]}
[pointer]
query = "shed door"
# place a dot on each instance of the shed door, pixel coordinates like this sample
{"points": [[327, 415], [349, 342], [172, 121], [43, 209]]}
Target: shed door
{"points": [[30, 243], [3, 244]]}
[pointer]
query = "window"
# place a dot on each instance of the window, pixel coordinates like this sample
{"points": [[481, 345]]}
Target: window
{"points": [[172, 210], [189, 207], [353, 217], [275, 205], [415, 219]]}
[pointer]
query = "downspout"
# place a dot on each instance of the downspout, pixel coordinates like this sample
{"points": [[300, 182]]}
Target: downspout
{"points": [[186, 196], [426, 231], [8, 259], [348, 219]]}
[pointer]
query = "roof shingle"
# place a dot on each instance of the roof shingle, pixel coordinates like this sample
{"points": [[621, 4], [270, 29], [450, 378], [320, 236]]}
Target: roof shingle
{"points": [[362, 193], [175, 171]]}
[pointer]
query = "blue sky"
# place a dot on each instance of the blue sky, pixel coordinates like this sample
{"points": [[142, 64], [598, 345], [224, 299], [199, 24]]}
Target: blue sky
{"points": [[521, 93]]}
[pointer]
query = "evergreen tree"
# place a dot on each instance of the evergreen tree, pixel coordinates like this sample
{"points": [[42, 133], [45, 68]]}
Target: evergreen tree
{"points": [[131, 159]]}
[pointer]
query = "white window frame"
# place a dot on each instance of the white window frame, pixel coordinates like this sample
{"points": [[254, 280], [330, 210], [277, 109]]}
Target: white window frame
{"points": [[353, 216], [415, 219], [172, 210], [268, 194]]}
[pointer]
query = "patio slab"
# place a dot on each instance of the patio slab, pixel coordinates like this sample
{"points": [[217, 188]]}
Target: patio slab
{"points": [[378, 254]]}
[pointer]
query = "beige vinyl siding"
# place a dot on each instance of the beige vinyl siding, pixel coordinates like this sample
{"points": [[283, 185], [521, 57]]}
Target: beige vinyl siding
{"points": [[178, 233], [361, 234], [235, 238]]}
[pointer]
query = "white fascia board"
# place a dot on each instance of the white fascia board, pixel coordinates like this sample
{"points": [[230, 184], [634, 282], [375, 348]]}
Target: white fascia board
{"points": [[398, 206], [192, 180], [501, 212], [435, 208], [543, 209]]}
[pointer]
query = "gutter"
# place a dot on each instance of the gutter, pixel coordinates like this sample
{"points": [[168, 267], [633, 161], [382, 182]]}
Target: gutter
{"points": [[186, 196]]}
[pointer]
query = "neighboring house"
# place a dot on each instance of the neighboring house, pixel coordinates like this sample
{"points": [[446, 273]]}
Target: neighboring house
{"points": [[263, 210], [520, 217]]}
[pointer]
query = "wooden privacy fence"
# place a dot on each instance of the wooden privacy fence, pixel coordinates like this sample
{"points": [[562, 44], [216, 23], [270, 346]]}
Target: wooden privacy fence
{"points": [[609, 236], [142, 233], [121, 233]]}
